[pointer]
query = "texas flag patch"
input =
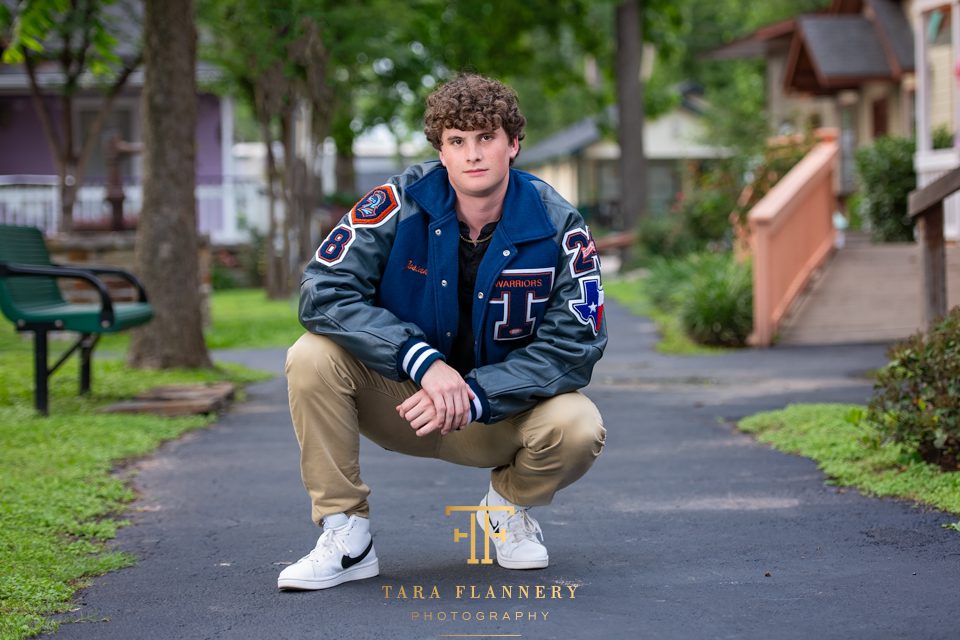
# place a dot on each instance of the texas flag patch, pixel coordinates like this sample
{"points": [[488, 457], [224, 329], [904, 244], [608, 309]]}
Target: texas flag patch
{"points": [[376, 207], [589, 308]]}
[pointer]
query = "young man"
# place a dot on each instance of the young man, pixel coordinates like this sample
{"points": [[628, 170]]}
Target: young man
{"points": [[453, 313]]}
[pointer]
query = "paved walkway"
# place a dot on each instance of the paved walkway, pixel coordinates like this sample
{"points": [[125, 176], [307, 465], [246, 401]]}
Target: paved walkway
{"points": [[684, 528], [866, 293]]}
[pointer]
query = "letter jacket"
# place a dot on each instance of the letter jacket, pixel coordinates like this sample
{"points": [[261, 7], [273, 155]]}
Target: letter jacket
{"points": [[383, 285]]}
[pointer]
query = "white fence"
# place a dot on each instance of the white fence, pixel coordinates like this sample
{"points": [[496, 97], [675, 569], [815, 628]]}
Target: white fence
{"points": [[227, 208]]}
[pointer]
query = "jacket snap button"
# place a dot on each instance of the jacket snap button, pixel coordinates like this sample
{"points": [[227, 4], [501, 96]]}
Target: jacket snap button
{"points": [[480, 295], [449, 334], [438, 232], [443, 283], [506, 252]]}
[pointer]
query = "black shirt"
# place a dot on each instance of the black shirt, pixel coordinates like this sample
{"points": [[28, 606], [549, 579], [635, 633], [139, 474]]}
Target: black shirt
{"points": [[462, 355]]}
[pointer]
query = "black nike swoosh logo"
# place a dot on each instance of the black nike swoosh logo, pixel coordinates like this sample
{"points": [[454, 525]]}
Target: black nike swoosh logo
{"points": [[346, 561]]}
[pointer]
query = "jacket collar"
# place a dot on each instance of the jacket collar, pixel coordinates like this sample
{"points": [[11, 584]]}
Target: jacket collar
{"points": [[524, 215]]}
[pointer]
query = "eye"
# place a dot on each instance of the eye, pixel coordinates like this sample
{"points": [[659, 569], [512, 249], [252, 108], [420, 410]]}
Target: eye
{"points": [[487, 137]]}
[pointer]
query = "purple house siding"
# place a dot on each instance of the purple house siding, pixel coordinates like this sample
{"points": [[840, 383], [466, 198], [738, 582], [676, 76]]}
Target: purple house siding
{"points": [[209, 158], [23, 147]]}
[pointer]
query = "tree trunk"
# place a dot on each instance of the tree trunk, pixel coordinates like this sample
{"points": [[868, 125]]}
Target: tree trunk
{"points": [[272, 267], [345, 172], [166, 253], [633, 163], [290, 210]]}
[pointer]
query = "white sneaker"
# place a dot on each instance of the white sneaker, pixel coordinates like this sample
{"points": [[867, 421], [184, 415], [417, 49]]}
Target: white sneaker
{"points": [[518, 538], [344, 552]]}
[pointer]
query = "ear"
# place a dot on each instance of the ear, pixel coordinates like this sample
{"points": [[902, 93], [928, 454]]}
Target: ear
{"points": [[514, 148], [440, 155]]}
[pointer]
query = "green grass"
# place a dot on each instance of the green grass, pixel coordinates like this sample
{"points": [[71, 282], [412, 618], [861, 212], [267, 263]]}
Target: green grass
{"points": [[59, 498], [673, 340], [848, 450], [241, 318], [246, 318]]}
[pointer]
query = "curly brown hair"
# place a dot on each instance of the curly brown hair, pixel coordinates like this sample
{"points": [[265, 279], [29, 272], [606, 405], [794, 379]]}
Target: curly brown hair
{"points": [[472, 102]]}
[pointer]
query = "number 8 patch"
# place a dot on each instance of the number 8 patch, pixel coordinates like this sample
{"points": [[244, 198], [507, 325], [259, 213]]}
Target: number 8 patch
{"points": [[334, 248]]}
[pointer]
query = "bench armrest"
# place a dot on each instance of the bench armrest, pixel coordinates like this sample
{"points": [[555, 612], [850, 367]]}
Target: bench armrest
{"points": [[8, 269], [113, 271]]}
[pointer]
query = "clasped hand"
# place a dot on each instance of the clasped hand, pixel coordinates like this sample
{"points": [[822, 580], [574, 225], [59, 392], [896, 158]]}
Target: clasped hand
{"points": [[443, 401]]}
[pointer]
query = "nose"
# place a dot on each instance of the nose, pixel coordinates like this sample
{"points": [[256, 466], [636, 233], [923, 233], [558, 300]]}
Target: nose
{"points": [[474, 152]]}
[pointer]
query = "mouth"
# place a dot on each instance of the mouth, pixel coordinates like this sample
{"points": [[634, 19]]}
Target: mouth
{"points": [[475, 172]]}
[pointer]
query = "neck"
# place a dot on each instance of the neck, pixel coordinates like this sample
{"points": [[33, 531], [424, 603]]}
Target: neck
{"points": [[477, 212]]}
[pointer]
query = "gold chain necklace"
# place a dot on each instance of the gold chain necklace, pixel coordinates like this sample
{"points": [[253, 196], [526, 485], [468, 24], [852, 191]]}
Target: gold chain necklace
{"points": [[477, 241]]}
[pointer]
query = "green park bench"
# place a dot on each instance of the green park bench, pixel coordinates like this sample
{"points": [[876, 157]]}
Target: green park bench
{"points": [[31, 298]]}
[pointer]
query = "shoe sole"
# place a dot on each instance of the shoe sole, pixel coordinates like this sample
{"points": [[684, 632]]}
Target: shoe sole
{"points": [[359, 572], [523, 564]]}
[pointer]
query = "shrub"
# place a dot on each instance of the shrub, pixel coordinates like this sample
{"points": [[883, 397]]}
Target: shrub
{"points": [[717, 306], [706, 215], [668, 281], [886, 178], [710, 292], [663, 236], [916, 397]]}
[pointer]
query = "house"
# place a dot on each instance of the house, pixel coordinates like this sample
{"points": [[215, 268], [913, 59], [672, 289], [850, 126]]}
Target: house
{"points": [[850, 67], [870, 68], [936, 28], [581, 161], [28, 173]]}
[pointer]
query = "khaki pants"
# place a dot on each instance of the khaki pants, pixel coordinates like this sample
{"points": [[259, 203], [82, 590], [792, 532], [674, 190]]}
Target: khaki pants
{"points": [[334, 398]]}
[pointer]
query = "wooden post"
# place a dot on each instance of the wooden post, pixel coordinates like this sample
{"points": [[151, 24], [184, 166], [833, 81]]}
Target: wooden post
{"points": [[933, 252]]}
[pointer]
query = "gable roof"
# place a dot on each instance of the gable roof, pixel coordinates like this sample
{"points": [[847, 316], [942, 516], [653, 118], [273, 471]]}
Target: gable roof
{"points": [[852, 42], [755, 45], [835, 52], [565, 142], [895, 33]]}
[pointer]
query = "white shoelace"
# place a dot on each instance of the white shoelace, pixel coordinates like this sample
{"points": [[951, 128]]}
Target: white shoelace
{"points": [[520, 526], [326, 545]]}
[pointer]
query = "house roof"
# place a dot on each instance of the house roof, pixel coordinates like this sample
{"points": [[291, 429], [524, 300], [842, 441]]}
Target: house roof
{"points": [[755, 45], [853, 41], [833, 52], [565, 142], [14, 80], [676, 134], [895, 32]]}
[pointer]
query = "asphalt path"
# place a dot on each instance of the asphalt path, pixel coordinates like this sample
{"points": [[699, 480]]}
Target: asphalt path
{"points": [[684, 528]]}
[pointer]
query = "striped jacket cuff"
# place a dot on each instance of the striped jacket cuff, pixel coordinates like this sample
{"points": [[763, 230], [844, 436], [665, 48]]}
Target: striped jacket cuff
{"points": [[416, 356], [479, 408]]}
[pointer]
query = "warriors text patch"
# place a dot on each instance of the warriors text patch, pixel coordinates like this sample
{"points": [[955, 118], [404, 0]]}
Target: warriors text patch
{"points": [[376, 207], [521, 294]]}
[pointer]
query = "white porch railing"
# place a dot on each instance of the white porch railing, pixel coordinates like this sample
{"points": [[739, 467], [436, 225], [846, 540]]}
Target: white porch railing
{"points": [[931, 165], [227, 208]]}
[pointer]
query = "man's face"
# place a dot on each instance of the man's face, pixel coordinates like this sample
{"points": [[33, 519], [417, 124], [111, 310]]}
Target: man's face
{"points": [[477, 162]]}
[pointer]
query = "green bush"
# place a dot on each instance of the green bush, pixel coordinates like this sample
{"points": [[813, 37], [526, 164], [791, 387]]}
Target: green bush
{"points": [[886, 178], [663, 236], [717, 306], [669, 279], [710, 292], [916, 397], [706, 215], [699, 221]]}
